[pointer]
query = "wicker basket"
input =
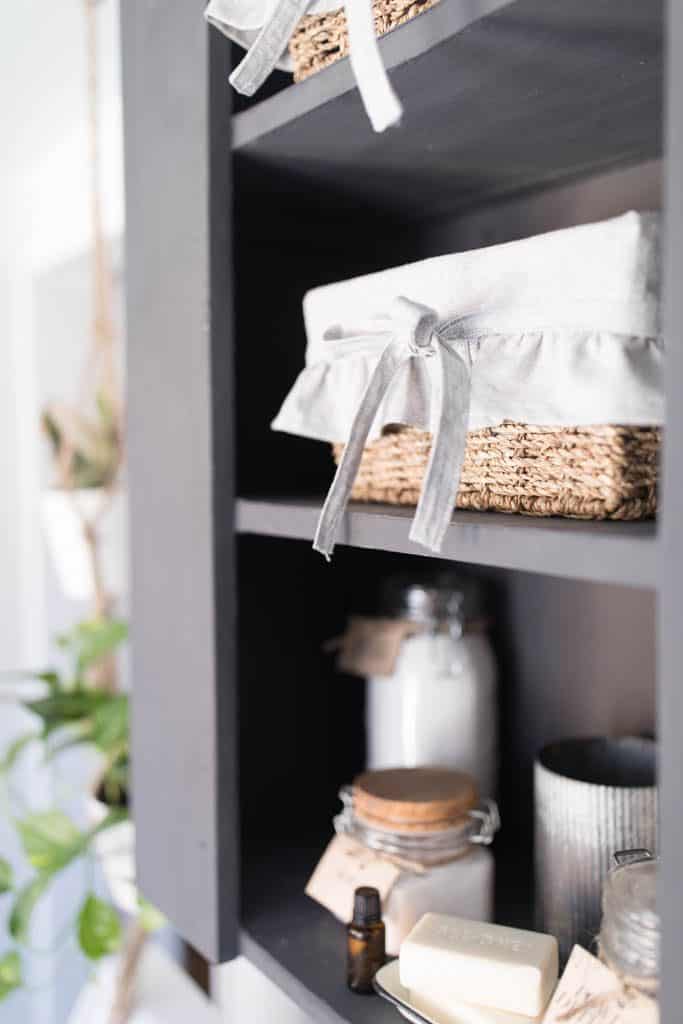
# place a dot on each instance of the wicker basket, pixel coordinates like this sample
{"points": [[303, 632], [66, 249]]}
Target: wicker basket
{"points": [[600, 472], [322, 39]]}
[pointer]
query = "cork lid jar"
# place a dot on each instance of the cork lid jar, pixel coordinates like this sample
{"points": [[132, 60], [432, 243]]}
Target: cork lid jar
{"points": [[428, 815], [414, 799]]}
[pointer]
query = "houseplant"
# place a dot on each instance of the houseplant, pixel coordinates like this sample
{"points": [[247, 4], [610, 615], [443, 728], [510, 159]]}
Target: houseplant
{"points": [[84, 512], [70, 711], [84, 509], [83, 705]]}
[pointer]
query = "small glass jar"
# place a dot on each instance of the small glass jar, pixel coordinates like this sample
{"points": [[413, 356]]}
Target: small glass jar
{"points": [[439, 705], [629, 935], [447, 871]]}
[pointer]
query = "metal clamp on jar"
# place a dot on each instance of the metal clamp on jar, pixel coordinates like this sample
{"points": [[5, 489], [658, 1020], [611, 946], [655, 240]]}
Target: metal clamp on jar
{"points": [[431, 823], [629, 936]]}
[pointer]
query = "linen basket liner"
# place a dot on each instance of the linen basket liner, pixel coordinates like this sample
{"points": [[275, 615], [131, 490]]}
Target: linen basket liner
{"points": [[322, 39], [529, 375], [265, 27]]}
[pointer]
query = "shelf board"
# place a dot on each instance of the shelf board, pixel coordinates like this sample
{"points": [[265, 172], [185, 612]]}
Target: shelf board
{"points": [[603, 552], [296, 943], [499, 96], [301, 947]]}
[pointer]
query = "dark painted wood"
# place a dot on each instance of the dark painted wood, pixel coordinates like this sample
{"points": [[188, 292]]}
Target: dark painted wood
{"points": [[670, 696], [300, 946], [180, 470], [534, 92], [403, 44], [599, 552], [288, 242], [575, 659]]}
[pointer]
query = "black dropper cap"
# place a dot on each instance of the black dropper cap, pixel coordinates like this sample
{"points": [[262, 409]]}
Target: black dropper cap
{"points": [[367, 908]]}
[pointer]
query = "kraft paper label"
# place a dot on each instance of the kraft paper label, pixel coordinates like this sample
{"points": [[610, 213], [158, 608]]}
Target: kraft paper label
{"points": [[590, 993], [370, 647], [344, 866]]}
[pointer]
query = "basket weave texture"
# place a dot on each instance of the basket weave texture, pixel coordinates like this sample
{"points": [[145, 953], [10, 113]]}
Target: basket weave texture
{"points": [[321, 39], [595, 472]]}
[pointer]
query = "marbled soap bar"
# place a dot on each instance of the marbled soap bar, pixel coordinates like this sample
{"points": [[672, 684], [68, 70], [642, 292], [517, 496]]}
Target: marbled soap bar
{"points": [[447, 960]]}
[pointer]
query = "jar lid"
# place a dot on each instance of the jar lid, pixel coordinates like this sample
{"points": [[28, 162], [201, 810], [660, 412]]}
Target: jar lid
{"points": [[440, 595], [413, 799], [629, 937], [634, 886], [416, 850]]}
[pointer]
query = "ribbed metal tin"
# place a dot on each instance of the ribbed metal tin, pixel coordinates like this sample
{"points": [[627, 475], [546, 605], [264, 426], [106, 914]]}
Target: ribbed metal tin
{"points": [[593, 797]]}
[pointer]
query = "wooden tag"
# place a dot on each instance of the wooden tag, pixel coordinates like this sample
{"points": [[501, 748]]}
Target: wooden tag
{"points": [[344, 866], [370, 647], [590, 993]]}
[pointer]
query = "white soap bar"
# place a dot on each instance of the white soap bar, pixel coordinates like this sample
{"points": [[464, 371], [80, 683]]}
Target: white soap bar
{"points": [[446, 960], [468, 1013]]}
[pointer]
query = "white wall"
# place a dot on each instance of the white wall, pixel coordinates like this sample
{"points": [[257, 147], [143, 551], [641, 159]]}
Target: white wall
{"points": [[44, 169], [44, 213]]}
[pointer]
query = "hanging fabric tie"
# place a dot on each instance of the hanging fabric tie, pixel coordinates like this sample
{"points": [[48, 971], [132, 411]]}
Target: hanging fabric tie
{"points": [[416, 333], [269, 42]]}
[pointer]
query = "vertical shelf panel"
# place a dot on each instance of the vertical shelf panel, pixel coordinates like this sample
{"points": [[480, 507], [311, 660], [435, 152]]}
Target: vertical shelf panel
{"points": [[180, 470], [670, 696]]}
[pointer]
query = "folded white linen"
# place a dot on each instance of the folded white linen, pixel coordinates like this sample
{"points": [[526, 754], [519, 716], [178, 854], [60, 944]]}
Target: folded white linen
{"points": [[560, 329]]}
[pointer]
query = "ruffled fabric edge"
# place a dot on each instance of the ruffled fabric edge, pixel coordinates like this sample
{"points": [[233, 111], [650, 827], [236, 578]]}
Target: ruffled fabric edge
{"points": [[558, 378]]}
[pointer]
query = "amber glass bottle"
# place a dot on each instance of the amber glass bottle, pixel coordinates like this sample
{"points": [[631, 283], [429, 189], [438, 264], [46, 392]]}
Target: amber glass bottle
{"points": [[365, 938]]}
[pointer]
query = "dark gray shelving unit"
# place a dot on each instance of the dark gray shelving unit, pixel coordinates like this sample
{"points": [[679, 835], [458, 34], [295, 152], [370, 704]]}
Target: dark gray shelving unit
{"points": [[298, 947], [521, 116], [601, 552], [498, 97]]}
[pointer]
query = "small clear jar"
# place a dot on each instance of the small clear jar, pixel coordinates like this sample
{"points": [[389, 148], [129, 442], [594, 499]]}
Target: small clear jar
{"points": [[439, 705], [449, 870], [630, 932]]}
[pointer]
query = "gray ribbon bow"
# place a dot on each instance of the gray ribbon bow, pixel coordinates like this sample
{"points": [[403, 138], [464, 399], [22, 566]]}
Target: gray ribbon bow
{"points": [[381, 103], [416, 334]]}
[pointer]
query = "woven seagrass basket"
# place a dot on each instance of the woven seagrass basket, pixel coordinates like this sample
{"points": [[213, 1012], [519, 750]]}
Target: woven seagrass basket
{"points": [[321, 39], [596, 472]]}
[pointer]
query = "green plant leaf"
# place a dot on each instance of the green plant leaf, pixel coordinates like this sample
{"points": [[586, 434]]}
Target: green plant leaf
{"points": [[151, 919], [115, 781], [50, 840], [50, 677], [110, 724], [73, 735], [89, 641], [10, 973], [15, 749], [66, 708], [91, 445], [99, 928], [24, 905], [6, 876]]}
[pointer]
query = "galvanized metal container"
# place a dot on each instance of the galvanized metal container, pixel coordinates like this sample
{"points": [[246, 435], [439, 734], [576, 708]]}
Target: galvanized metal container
{"points": [[592, 798]]}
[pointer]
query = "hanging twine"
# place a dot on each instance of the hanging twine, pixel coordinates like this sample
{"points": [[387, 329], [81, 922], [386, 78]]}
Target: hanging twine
{"points": [[99, 374], [102, 367], [103, 330]]}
